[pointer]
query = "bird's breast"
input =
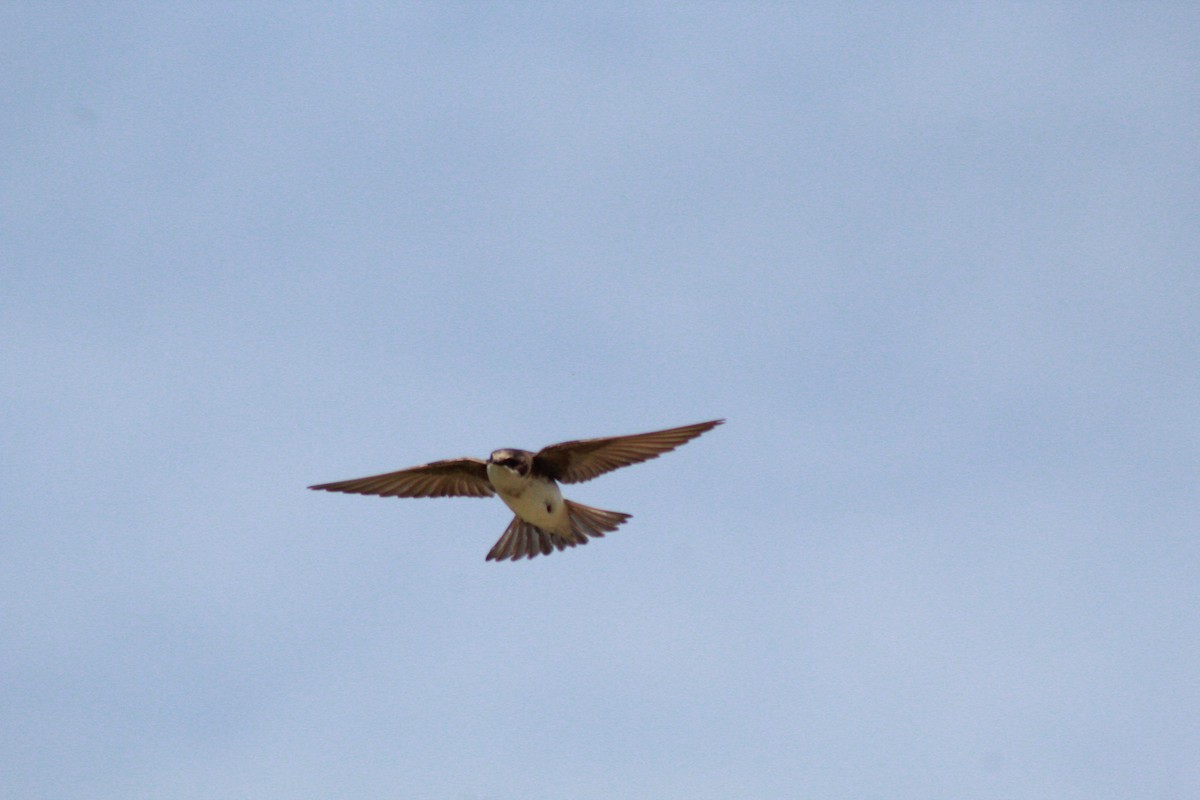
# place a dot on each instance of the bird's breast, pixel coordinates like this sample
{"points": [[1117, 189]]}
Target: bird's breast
{"points": [[538, 502]]}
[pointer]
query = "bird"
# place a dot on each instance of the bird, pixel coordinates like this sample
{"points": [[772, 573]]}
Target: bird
{"points": [[528, 483]]}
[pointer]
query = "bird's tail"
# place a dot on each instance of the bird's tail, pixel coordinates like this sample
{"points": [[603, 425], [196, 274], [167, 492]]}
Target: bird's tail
{"points": [[587, 521], [523, 540]]}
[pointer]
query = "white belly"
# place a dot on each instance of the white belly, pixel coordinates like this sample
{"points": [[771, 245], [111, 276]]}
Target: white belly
{"points": [[539, 503]]}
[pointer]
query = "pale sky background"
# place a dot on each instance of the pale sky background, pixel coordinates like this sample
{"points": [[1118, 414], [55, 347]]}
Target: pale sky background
{"points": [[938, 265]]}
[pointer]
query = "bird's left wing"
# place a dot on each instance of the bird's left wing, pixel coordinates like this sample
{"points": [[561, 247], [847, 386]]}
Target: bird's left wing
{"points": [[584, 459], [454, 477]]}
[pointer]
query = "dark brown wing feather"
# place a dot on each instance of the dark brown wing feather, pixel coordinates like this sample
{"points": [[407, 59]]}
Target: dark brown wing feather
{"points": [[582, 460], [454, 477]]}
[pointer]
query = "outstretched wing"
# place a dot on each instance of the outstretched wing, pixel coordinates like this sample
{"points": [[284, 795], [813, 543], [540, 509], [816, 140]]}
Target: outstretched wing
{"points": [[454, 477], [582, 460]]}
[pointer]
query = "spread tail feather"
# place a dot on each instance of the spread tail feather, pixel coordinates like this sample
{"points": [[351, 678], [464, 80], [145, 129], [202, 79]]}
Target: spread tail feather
{"points": [[587, 521], [523, 540]]}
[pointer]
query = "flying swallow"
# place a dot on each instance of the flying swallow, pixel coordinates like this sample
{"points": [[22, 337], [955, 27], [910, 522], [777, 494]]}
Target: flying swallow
{"points": [[528, 484]]}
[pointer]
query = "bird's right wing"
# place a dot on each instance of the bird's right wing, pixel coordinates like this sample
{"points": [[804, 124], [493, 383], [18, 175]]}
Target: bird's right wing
{"points": [[454, 477]]}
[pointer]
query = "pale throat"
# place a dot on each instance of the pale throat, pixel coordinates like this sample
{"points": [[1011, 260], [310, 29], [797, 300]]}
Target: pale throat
{"points": [[506, 481]]}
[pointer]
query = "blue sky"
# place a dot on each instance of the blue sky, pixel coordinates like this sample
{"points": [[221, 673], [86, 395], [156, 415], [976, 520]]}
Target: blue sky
{"points": [[936, 264]]}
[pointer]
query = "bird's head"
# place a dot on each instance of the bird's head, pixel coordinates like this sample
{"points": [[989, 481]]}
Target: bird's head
{"points": [[519, 461]]}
